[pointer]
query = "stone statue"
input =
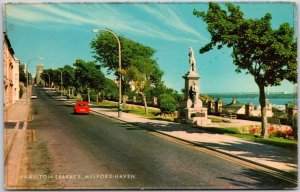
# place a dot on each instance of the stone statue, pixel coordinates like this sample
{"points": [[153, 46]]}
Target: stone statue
{"points": [[193, 93], [192, 60]]}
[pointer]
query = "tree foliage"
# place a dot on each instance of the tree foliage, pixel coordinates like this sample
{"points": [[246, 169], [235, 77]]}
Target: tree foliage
{"points": [[88, 75], [22, 74], [68, 76], [269, 55], [167, 104], [54, 76], [110, 90], [139, 69]]}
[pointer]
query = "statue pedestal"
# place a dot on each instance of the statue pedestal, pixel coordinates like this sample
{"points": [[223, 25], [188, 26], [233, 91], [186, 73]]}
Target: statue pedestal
{"points": [[196, 116], [192, 111]]}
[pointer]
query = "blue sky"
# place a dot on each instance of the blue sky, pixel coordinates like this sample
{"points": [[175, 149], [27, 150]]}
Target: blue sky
{"points": [[61, 33]]}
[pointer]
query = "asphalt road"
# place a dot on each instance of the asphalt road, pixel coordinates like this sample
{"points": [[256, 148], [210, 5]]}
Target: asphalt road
{"points": [[96, 152]]}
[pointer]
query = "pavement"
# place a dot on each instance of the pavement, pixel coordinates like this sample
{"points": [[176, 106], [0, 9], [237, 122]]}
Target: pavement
{"points": [[273, 157], [15, 124]]}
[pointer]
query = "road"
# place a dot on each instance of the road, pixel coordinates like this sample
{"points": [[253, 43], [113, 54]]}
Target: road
{"points": [[93, 152]]}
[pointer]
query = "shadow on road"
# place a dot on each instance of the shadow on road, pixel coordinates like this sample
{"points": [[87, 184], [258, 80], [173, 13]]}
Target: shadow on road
{"points": [[65, 105], [258, 181]]}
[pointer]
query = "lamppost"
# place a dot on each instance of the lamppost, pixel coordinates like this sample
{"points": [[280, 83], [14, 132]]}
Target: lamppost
{"points": [[49, 79], [61, 83], [119, 69], [27, 64]]}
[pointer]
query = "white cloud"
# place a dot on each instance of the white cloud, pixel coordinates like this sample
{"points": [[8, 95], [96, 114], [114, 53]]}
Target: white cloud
{"points": [[26, 15], [168, 16], [103, 15]]}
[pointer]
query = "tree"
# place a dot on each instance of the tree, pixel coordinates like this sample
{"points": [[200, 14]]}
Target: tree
{"points": [[22, 74], [140, 70], [69, 79], [110, 89], [140, 77], [54, 76], [167, 104], [88, 76], [160, 89], [268, 55]]}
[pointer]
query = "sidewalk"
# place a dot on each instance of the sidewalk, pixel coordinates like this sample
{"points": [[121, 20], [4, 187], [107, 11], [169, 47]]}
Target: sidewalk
{"points": [[15, 124], [267, 155], [18, 111]]}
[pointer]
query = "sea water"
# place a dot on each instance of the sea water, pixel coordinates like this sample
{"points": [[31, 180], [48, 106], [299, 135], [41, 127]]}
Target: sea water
{"points": [[255, 101]]}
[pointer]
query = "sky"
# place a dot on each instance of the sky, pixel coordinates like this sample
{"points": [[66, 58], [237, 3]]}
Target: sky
{"points": [[61, 33]]}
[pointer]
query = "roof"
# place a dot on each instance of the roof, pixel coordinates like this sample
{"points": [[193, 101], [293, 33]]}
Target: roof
{"points": [[233, 108], [8, 43], [235, 105]]}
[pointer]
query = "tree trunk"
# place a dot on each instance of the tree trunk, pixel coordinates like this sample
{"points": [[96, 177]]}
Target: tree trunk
{"points": [[145, 102], [88, 92], [72, 92], [263, 110], [97, 97]]}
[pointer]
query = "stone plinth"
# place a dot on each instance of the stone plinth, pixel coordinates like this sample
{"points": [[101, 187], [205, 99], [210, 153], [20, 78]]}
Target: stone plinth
{"points": [[191, 109]]}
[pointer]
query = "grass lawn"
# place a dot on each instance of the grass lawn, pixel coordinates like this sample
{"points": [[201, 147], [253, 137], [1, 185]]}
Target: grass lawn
{"points": [[151, 114], [280, 142], [138, 111], [215, 120], [106, 104], [218, 120]]}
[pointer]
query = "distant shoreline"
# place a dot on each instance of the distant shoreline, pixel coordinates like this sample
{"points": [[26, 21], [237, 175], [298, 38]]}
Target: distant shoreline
{"points": [[255, 101], [253, 95]]}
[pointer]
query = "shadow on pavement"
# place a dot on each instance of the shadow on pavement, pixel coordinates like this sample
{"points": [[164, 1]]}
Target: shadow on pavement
{"points": [[258, 180], [247, 149]]}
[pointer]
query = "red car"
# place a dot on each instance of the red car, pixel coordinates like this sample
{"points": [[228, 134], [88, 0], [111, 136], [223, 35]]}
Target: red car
{"points": [[81, 107]]}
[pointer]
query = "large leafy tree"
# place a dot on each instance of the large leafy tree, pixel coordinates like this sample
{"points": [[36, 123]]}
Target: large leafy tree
{"points": [[269, 55], [88, 76], [69, 78], [139, 69], [54, 76]]}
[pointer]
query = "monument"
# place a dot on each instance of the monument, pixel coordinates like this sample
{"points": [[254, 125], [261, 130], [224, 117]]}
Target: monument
{"points": [[191, 109]]}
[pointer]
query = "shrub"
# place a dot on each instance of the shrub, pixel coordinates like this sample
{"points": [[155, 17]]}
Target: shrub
{"points": [[167, 104], [79, 98]]}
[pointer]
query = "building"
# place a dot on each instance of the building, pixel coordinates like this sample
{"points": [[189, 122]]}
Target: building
{"points": [[234, 107], [39, 72], [11, 73], [16, 80]]}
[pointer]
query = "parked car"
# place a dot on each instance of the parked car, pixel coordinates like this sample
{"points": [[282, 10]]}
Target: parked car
{"points": [[81, 107], [33, 97]]}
